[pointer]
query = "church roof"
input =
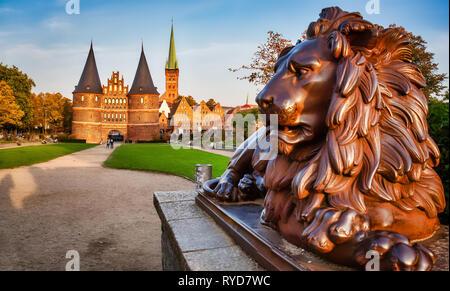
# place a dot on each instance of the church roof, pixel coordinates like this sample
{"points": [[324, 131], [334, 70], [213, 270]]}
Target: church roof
{"points": [[172, 63], [143, 82], [90, 80]]}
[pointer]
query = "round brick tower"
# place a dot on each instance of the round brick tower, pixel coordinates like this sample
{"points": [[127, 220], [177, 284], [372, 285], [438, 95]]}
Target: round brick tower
{"points": [[87, 98], [143, 105]]}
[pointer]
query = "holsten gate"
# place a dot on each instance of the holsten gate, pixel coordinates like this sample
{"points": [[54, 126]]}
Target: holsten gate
{"points": [[99, 111]]}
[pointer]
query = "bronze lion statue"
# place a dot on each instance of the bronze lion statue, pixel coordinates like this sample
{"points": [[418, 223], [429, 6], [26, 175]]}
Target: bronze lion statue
{"points": [[354, 169]]}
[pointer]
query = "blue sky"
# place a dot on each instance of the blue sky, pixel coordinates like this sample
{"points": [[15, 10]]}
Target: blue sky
{"points": [[210, 35]]}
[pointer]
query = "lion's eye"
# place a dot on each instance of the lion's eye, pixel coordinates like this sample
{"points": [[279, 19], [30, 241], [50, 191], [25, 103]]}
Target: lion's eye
{"points": [[297, 68]]}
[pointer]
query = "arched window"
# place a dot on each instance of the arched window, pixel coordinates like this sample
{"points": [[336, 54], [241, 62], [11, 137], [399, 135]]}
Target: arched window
{"points": [[96, 98], [142, 100], [82, 98], [124, 101]]}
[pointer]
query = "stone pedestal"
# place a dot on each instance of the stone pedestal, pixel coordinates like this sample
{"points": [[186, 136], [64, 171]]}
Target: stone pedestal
{"points": [[192, 241], [214, 240]]}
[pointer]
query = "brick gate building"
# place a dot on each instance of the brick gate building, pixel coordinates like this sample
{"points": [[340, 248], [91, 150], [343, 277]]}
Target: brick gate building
{"points": [[113, 109]]}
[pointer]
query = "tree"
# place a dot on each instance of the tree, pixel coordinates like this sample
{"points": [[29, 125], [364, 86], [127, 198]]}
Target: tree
{"points": [[438, 128], [190, 100], [49, 110], [424, 60], [21, 86], [10, 113], [211, 102], [37, 110], [264, 59], [67, 114]]}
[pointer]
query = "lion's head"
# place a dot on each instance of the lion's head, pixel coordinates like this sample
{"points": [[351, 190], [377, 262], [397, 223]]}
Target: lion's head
{"points": [[351, 87]]}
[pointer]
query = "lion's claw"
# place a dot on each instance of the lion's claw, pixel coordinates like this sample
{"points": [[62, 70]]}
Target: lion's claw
{"points": [[395, 252]]}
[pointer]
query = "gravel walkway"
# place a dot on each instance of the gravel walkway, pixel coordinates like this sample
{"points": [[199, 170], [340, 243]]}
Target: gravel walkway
{"points": [[73, 203], [219, 152]]}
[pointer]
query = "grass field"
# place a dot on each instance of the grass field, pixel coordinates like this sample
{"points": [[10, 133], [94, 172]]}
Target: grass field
{"points": [[163, 158], [28, 155]]}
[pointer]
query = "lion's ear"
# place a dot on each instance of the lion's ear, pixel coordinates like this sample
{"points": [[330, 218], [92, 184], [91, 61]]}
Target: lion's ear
{"points": [[285, 51], [351, 33], [359, 32]]}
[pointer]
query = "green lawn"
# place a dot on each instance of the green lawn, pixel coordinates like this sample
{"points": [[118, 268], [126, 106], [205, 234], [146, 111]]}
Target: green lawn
{"points": [[163, 158], [28, 155]]}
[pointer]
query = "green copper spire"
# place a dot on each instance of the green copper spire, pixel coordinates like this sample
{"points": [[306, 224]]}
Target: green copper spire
{"points": [[172, 63], [248, 99]]}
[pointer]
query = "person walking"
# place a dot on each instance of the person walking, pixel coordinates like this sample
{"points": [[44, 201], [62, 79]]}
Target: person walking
{"points": [[112, 143], [107, 143]]}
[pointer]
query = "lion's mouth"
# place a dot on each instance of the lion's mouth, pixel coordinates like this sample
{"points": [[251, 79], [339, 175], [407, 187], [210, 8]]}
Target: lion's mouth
{"points": [[294, 134]]}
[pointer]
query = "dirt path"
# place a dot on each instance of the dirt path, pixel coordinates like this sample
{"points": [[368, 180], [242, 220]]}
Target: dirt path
{"points": [[73, 203], [218, 152]]}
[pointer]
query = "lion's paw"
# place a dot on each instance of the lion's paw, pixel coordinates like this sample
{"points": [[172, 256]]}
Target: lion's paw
{"points": [[226, 191], [332, 226], [250, 188], [395, 252]]}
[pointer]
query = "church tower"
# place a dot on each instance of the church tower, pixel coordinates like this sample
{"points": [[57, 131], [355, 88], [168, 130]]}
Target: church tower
{"points": [[143, 114], [87, 98], [172, 73]]}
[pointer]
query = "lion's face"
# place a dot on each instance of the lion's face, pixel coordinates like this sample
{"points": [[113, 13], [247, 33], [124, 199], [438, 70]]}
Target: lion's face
{"points": [[300, 91]]}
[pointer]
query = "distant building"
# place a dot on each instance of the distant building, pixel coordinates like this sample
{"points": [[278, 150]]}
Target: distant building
{"points": [[202, 116], [247, 105], [164, 107], [181, 115], [163, 122], [172, 73], [113, 110], [218, 110]]}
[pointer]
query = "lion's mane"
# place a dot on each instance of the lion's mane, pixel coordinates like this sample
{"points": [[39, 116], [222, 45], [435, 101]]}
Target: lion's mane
{"points": [[377, 147]]}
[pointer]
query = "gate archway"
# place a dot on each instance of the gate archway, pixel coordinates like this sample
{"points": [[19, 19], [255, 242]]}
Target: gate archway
{"points": [[115, 135]]}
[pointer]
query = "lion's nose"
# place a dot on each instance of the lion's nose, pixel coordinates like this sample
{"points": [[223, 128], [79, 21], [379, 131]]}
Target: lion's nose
{"points": [[264, 101]]}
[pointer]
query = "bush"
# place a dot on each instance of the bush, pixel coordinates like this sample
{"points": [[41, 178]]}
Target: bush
{"points": [[438, 122], [64, 137]]}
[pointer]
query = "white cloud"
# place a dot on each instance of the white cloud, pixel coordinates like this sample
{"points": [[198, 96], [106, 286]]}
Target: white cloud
{"points": [[56, 23]]}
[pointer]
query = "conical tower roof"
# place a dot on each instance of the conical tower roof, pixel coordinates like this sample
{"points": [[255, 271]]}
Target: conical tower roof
{"points": [[143, 83], [172, 63], [90, 80]]}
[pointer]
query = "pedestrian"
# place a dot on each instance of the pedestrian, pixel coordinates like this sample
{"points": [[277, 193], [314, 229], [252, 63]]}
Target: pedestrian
{"points": [[107, 143], [112, 143]]}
